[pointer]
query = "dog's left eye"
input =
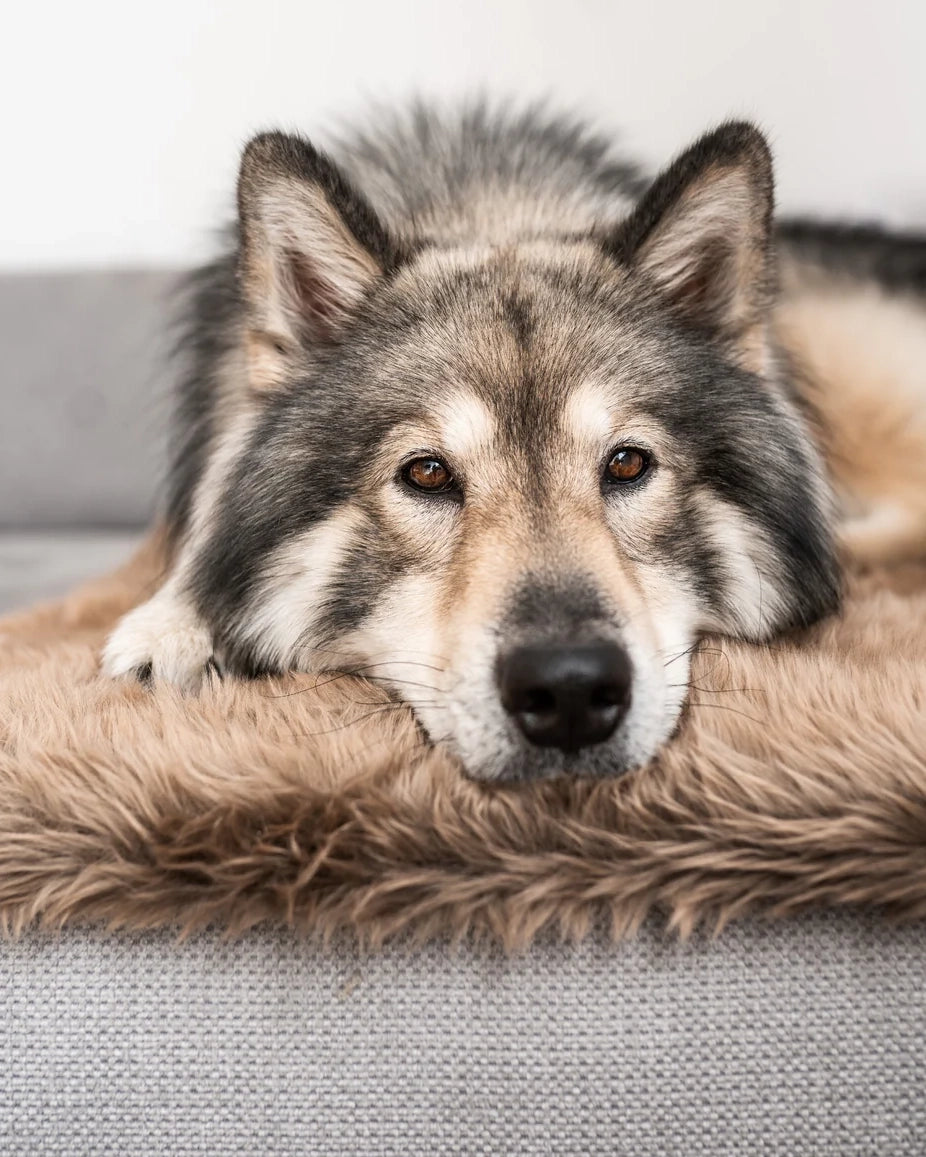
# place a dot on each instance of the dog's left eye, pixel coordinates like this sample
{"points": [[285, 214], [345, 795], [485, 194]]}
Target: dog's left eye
{"points": [[429, 475]]}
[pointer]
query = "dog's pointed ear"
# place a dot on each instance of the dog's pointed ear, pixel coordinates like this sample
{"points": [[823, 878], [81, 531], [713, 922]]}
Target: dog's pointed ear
{"points": [[311, 247], [702, 234]]}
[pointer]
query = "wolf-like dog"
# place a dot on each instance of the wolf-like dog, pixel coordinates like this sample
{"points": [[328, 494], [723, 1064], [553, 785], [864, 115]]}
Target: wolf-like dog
{"points": [[476, 410]]}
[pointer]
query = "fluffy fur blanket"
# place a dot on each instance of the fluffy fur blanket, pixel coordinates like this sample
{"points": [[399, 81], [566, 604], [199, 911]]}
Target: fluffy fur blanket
{"points": [[798, 779]]}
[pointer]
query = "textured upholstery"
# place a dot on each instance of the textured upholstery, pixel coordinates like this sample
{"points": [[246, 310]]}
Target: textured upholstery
{"points": [[793, 1040]]}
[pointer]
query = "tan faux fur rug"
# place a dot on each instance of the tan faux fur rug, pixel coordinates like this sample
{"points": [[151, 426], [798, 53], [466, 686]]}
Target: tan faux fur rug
{"points": [[799, 780]]}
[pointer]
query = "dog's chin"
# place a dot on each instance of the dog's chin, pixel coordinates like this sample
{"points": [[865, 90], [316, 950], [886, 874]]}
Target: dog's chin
{"points": [[521, 763]]}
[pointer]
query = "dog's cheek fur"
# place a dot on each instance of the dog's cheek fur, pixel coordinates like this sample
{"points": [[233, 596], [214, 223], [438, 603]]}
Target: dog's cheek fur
{"points": [[771, 512], [289, 480], [282, 624], [757, 497], [750, 573], [398, 639], [746, 599]]}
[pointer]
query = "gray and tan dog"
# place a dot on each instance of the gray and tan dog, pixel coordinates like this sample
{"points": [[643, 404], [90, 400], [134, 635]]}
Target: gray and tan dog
{"points": [[476, 411]]}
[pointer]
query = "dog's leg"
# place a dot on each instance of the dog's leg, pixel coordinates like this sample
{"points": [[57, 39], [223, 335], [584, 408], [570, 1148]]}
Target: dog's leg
{"points": [[164, 640]]}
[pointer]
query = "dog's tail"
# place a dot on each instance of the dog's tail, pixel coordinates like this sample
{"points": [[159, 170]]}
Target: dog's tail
{"points": [[895, 260]]}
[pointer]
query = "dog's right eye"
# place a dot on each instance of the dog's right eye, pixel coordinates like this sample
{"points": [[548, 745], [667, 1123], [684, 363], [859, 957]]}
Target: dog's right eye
{"points": [[627, 464], [429, 475]]}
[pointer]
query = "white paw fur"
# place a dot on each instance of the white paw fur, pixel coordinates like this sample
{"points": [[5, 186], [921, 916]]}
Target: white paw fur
{"points": [[164, 640]]}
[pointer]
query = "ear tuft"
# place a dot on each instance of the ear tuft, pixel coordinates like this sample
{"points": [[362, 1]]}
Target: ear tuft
{"points": [[311, 248], [702, 235]]}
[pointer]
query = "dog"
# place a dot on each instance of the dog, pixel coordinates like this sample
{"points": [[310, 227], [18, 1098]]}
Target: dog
{"points": [[475, 409]]}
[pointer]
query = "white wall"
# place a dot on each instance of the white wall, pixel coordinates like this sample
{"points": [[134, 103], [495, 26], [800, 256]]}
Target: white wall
{"points": [[121, 121]]}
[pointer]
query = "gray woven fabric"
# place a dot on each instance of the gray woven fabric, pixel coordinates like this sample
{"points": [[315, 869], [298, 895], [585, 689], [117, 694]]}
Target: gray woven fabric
{"points": [[799, 1039], [36, 565], [84, 383]]}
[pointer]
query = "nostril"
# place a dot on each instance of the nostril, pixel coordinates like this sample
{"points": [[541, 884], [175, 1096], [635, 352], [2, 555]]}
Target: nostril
{"points": [[538, 701], [606, 695]]}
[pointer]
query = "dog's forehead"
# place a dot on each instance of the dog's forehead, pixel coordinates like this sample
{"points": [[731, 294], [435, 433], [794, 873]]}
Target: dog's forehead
{"points": [[498, 314], [509, 348], [469, 423]]}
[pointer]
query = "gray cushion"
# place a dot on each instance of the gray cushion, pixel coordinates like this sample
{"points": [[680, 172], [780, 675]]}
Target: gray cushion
{"points": [[38, 565], [803, 1038], [82, 396]]}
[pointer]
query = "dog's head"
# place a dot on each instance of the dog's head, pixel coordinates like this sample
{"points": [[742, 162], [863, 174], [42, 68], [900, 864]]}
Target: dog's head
{"points": [[517, 481]]}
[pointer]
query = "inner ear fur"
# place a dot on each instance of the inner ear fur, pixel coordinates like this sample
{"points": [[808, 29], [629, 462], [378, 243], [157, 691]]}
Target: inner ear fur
{"points": [[702, 235], [311, 248]]}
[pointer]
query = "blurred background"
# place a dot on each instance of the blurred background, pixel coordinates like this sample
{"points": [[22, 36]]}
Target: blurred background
{"points": [[122, 124]]}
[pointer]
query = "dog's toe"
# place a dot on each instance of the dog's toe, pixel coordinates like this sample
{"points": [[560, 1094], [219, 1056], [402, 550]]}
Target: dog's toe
{"points": [[162, 641]]}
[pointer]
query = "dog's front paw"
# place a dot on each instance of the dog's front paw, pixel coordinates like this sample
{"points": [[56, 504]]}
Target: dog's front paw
{"points": [[163, 640]]}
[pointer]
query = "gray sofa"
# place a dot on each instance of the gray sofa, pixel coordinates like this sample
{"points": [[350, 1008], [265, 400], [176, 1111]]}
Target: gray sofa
{"points": [[793, 1039]]}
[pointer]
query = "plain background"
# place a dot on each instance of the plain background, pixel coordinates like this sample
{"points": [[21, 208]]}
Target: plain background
{"points": [[122, 122]]}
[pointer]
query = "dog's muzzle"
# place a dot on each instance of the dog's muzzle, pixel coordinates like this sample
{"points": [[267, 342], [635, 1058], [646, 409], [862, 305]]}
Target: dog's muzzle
{"points": [[566, 695]]}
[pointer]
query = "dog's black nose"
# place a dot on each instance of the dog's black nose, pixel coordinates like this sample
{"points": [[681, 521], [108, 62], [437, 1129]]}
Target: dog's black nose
{"points": [[566, 695]]}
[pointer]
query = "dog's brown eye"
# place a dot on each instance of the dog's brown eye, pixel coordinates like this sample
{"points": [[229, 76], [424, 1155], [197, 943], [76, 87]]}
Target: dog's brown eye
{"points": [[428, 474], [627, 464]]}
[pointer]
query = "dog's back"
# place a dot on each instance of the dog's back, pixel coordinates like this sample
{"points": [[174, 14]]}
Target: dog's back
{"points": [[852, 311]]}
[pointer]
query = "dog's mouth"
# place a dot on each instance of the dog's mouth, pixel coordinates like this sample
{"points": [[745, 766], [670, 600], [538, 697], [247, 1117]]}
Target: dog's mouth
{"points": [[519, 764]]}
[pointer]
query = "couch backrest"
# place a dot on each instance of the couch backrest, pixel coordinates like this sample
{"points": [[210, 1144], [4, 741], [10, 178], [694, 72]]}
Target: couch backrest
{"points": [[84, 388]]}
